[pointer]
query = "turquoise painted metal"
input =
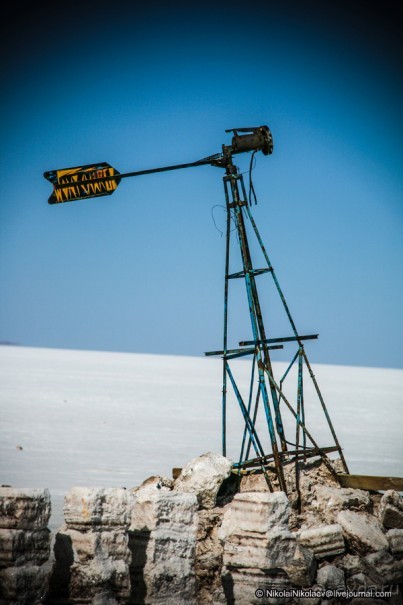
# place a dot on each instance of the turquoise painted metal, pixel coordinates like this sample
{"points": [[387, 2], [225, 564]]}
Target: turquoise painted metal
{"points": [[263, 386]]}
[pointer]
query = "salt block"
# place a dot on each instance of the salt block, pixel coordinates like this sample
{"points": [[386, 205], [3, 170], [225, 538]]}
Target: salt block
{"points": [[22, 508], [163, 537], [331, 500], [324, 540], [331, 577], [88, 545], [22, 546], [97, 507], [391, 510], [203, 476], [395, 539], [389, 568], [86, 581], [362, 531], [154, 509], [24, 584], [255, 512]]}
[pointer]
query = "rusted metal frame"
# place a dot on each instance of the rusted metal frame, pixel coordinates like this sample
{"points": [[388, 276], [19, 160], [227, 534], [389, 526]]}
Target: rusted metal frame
{"points": [[262, 271], [225, 335], [234, 352], [249, 351], [257, 446], [297, 432], [259, 318], [303, 427], [286, 374], [254, 421], [244, 343], [301, 379], [266, 355], [249, 406], [251, 429], [255, 272], [253, 467], [299, 416], [289, 368], [267, 361], [229, 352], [242, 353], [253, 302], [293, 326], [262, 383], [299, 391], [287, 310], [325, 411], [310, 452], [236, 275]]}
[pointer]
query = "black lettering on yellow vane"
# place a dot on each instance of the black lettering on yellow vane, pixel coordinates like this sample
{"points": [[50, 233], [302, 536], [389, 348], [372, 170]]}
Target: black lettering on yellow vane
{"points": [[82, 182]]}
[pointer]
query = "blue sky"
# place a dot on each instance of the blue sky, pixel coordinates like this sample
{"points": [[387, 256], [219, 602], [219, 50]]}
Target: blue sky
{"points": [[142, 270]]}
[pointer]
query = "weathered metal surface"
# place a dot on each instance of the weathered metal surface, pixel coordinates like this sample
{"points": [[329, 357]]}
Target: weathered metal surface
{"points": [[255, 411], [248, 422], [303, 427], [250, 427], [369, 482], [310, 452], [253, 272], [82, 182], [325, 410], [252, 378], [239, 352], [231, 184], [238, 213], [245, 343], [255, 139], [225, 335]]}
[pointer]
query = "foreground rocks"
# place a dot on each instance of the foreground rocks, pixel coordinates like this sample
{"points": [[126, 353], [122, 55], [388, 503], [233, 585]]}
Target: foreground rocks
{"points": [[391, 510], [258, 548], [24, 545], [207, 538], [203, 476], [91, 550], [163, 535], [324, 541]]}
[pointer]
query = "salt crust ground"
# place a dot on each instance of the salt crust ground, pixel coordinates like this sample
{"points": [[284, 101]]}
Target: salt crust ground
{"points": [[113, 419]]}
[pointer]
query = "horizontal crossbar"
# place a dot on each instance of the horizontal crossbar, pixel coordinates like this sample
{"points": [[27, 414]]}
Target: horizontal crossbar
{"points": [[252, 272], [239, 352], [307, 452], [244, 343]]}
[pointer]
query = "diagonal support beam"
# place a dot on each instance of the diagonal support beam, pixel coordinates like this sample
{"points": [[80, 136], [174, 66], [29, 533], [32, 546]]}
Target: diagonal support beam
{"points": [[303, 427]]}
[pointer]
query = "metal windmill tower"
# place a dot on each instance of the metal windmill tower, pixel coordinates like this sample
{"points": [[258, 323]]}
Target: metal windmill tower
{"points": [[96, 180]]}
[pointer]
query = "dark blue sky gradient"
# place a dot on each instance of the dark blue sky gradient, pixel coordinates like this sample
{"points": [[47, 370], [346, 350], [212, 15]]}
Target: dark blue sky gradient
{"points": [[144, 87]]}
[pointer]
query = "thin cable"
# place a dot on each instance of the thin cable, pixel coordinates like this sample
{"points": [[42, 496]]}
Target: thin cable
{"points": [[251, 187], [212, 216], [214, 221]]}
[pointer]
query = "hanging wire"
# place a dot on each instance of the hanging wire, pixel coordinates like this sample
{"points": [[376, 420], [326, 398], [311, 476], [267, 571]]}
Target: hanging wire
{"points": [[214, 221], [251, 187]]}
